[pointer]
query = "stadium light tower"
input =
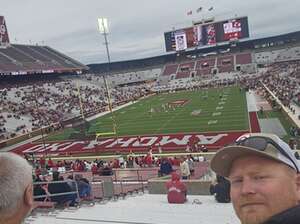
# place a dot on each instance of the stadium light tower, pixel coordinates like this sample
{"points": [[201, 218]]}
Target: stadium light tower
{"points": [[103, 29]]}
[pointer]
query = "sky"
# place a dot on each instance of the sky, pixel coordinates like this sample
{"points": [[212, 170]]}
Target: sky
{"points": [[136, 27]]}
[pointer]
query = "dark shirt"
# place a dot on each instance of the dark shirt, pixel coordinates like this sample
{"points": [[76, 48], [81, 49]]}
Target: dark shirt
{"points": [[221, 191], [165, 168], [39, 191], [106, 171], [289, 216], [55, 188]]}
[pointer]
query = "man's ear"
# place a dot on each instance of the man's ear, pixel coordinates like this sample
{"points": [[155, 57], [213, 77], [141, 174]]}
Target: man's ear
{"points": [[28, 196]]}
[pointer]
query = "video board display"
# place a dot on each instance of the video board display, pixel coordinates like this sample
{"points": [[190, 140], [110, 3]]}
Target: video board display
{"points": [[207, 34]]}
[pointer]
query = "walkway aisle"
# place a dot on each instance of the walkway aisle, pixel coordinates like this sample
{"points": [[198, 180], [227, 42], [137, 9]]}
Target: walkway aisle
{"points": [[146, 209]]}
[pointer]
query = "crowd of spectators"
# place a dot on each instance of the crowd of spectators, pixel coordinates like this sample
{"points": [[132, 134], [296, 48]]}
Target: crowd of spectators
{"points": [[62, 182], [282, 80], [28, 106]]}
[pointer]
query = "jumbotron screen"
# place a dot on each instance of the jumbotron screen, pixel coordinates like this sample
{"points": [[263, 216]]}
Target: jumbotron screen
{"points": [[207, 34]]}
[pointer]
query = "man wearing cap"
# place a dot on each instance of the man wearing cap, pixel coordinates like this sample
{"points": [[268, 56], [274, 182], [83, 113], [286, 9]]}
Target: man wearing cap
{"points": [[264, 177]]}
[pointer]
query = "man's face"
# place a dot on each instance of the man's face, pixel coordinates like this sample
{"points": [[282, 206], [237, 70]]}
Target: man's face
{"points": [[261, 188]]}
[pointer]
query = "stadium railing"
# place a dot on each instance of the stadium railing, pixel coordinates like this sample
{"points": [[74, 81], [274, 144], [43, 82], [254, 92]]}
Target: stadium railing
{"points": [[47, 203]]}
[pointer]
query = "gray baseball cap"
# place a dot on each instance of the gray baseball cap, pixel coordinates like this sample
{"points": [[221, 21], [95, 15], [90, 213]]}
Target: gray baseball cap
{"points": [[259, 144]]}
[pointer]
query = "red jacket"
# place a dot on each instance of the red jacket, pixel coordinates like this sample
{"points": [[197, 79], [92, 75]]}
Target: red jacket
{"points": [[176, 190], [94, 169]]}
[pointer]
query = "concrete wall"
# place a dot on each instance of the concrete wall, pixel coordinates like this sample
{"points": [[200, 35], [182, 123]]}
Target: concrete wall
{"points": [[194, 187]]}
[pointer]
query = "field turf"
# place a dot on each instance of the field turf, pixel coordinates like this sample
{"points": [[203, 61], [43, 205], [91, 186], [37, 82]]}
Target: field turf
{"points": [[210, 110]]}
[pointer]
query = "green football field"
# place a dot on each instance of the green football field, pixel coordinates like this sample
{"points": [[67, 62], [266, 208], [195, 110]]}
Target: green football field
{"points": [[181, 112]]}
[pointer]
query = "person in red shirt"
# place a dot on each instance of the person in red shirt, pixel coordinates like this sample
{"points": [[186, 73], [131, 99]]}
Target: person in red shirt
{"points": [[43, 162], [116, 164], [176, 162], [148, 159], [50, 163], [38, 171], [176, 190], [95, 169]]}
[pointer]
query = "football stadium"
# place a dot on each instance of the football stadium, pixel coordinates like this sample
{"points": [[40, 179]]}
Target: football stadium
{"points": [[106, 132]]}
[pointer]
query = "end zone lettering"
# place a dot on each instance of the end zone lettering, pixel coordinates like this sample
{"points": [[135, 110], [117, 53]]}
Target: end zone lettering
{"points": [[173, 142]]}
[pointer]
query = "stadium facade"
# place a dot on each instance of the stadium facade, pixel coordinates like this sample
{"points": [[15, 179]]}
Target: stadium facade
{"points": [[261, 44]]}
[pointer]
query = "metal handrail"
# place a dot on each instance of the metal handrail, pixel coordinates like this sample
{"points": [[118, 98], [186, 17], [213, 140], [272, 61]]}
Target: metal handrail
{"points": [[57, 194]]}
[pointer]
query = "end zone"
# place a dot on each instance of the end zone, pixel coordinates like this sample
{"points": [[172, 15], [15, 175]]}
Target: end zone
{"points": [[168, 142]]}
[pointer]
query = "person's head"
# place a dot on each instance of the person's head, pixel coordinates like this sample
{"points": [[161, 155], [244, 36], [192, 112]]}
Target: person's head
{"points": [[264, 176], [220, 179], [175, 176], [16, 190], [78, 177]]}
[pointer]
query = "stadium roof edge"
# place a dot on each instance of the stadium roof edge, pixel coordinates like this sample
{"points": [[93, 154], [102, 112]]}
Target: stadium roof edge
{"points": [[224, 44]]}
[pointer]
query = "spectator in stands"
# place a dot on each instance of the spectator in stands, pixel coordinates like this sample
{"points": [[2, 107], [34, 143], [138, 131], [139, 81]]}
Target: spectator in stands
{"points": [[50, 163], [221, 189], [190, 162], [130, 162], [40, 189], [148, 160], [43, 162], [61, 187], [95, 169], [203, 148], [264, 177], [176, 190], [165, 167], [106, 170], [184, 169], [16, 189], [71, 183], [84, 187]]}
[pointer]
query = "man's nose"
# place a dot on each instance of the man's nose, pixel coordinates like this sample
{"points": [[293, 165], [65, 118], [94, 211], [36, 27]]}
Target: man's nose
{"points": [[248, 186]]}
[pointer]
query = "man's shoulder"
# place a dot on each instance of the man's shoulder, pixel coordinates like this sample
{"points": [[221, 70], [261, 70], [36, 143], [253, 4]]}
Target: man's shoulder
{"points": [[290, 216]]}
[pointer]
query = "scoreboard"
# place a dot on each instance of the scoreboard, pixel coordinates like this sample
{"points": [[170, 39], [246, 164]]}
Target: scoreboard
{"points": [[207, 34]]}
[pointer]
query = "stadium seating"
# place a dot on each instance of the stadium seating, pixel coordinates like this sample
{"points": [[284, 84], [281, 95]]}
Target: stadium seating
{"points": [[23, 59], [266, 57], [289, 54], [205, 67], [170, 69], [58, 101], [134, 77], [225, 63], [203, 64], [243, 58], [27, 106], [181, 75]]}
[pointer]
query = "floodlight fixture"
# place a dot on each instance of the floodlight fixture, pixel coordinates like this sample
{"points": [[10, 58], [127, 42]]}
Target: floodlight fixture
{"points": [[103, 25]]}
